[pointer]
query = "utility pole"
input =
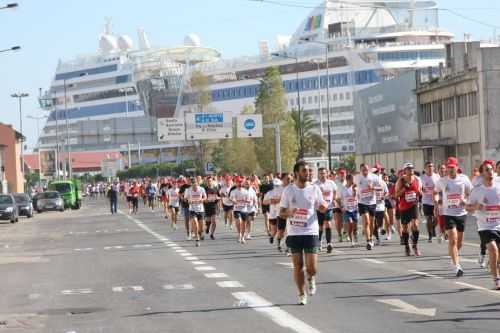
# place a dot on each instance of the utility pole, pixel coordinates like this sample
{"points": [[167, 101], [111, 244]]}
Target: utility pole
{"points": [[19, 97]]}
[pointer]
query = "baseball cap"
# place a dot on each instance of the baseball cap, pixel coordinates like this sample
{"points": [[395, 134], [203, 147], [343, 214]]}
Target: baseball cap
{"points": [[342, 171], [490, 162], [408, 165], [452, 162]]}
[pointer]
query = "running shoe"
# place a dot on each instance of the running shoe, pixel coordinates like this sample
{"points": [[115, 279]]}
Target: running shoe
{"points": [[231, 227], [459, 271], [356, 237], [389, 236], [481, 261], [407, 251], [353, 244], [188, 237], [207, 230], [382, 232], [287, 252], [302, 299], [393, 229], [377, 242], [197, 243], [497, 283], [280, 249], [243, 241], [249, 236], [429, 240], [202, 237], [368, 246], [341, 239], [212, 236], [329, 248], [312, 286], [271, 240], [416, 251]]}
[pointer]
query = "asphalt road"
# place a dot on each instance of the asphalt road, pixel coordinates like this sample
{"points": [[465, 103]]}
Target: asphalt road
{"points": [[90, 271]]}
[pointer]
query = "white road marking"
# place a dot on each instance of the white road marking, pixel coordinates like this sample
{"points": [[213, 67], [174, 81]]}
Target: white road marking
{"points": [[83, 291], [176, 248], [205, 268], [373, 261], [276, 314], [471, 244], [84, 249], [408, 308], [120, 289], [229, 284], [287, 264], [191, 258], [117, 247], [216, 275], [34, 296], [337, 251], [142, 245], [491, 291], [425, 274], [186, 254], [180, 251], [178, 286], [198, 262], [172, 245]]}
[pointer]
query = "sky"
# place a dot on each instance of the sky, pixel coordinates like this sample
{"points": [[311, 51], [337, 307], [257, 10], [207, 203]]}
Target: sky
{"points": [[49, 30]]}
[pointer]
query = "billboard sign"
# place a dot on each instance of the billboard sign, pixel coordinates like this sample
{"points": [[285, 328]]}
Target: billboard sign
{"points": [[209, 126], [249, 126], [386, 116], [171, 129]]}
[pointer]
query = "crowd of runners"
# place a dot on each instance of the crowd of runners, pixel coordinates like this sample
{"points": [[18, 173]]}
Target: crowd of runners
{"points": [[302, 214]]}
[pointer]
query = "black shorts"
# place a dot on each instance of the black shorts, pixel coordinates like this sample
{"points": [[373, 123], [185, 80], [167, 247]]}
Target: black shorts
{"points": [[370, 209], [252, 215], [303, 244], [242, 215], [129, 198], [273, 221], [337, 210], [265, 209], [388, 204], [198, 215], [488, 236], [457, 222], [428, 210], [379, 218], [210, 209], [227, 208], [326, 216], [281, 224], [409, 214], [175, 209]]}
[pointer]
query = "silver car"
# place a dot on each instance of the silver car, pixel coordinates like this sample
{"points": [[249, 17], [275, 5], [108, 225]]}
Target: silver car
{"points": [[50, 200]]}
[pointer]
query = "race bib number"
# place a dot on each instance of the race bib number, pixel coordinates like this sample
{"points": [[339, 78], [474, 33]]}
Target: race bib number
{"points": [[492, 213], [212, 197], [240, 205], [454, 200], [351, 204], [366, 194], [411, 197], [327, 196], [379, 195], [299, 218]]}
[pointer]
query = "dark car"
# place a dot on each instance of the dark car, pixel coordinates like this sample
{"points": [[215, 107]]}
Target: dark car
{"points": [[24, 205], [50, 200], [34, 200], [8, 208]]}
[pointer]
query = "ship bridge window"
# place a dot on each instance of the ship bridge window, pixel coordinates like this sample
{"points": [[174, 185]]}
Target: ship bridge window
{"points": [[90, 71], [78, 98]]}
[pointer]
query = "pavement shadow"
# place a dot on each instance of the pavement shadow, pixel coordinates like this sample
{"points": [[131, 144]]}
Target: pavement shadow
{"points": [[407, 294], [391, 279], [453, 320]]}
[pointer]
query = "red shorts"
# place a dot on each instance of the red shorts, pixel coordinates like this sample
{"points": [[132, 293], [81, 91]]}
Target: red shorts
{"points": [[441, 222]]}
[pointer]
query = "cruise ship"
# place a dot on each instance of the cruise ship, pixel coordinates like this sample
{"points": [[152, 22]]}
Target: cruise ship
{"points": [[112, 100]]}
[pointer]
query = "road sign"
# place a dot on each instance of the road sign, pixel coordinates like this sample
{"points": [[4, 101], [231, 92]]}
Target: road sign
{"points": [[209, 126], [171, 129], [249, 126], [209, 167]]}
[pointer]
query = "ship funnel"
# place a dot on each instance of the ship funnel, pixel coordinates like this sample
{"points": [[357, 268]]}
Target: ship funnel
{"points": [[143, 39]]}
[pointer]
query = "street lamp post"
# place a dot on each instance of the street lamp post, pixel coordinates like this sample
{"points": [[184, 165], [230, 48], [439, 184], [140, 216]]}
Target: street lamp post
{"points": [[19, 97], [9, 6], [300, 133], [14, 48], [38, 145], [68, 144], [326, 44]]}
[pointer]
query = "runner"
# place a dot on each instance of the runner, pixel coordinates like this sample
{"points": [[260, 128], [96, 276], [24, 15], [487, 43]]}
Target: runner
{"points": [[381, 193], [266, 186], [252, 207], [329, 191], [151, 194], [350, 208], [164, 187], [211, 207], [456, 189], [340, 182], [239, 196], [367, 201], [272, 199], [173, 203], [389, 205], [438, 209], [196, 196], [485, 200], [299, 204], [408, 190], [185, 204], [227, 204], [429, 181]]}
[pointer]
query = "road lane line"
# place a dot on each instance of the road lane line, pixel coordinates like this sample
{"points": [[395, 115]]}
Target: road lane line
{"points": [[425, 274], [187, 286], [191, 258], [216, 275], [473, 286], [471, 244], [186, 254], [119, 289], [229, 284], [373, 261], [276, 314], [205, 268], [198, 262], [83, 291]]}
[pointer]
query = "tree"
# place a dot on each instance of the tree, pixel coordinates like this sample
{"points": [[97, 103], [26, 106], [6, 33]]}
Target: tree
{"points": [[314, 144], [271, 103]]}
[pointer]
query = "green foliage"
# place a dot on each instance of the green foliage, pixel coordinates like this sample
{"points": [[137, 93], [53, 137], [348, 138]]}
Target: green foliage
{"points": [[314, 144], [270, 102], [348, 162], [156, 170]]}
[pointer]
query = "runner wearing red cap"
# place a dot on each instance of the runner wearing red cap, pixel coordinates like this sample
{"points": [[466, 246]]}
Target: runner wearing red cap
{"points": [[456, 189], [485, 202], [408, 190]]}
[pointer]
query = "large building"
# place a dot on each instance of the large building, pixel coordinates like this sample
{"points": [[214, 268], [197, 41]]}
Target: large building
{"points": [[11, 176], [459, 110]]}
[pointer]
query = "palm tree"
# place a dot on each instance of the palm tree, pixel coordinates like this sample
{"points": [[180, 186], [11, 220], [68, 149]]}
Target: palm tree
{"points": [[314, 144]]}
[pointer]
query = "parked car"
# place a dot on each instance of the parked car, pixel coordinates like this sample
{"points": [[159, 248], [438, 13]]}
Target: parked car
{"points": [[24, 205], [8, 208], [50, 200], [70, 192], [34, 200]]}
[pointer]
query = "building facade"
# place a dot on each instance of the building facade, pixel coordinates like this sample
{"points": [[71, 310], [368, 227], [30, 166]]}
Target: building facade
{"points": [[11, 177], [459, 110]]}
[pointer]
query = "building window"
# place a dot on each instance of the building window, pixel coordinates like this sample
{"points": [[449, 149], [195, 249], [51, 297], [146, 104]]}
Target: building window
{"points": [[334, 97], [322, 98], [462, 106], [426, 113], [341, 96], [437, 111], [292, 102], [309, 100], [473, 105], [316, 99], [448, 108], [347, 95], [304, 101]]}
